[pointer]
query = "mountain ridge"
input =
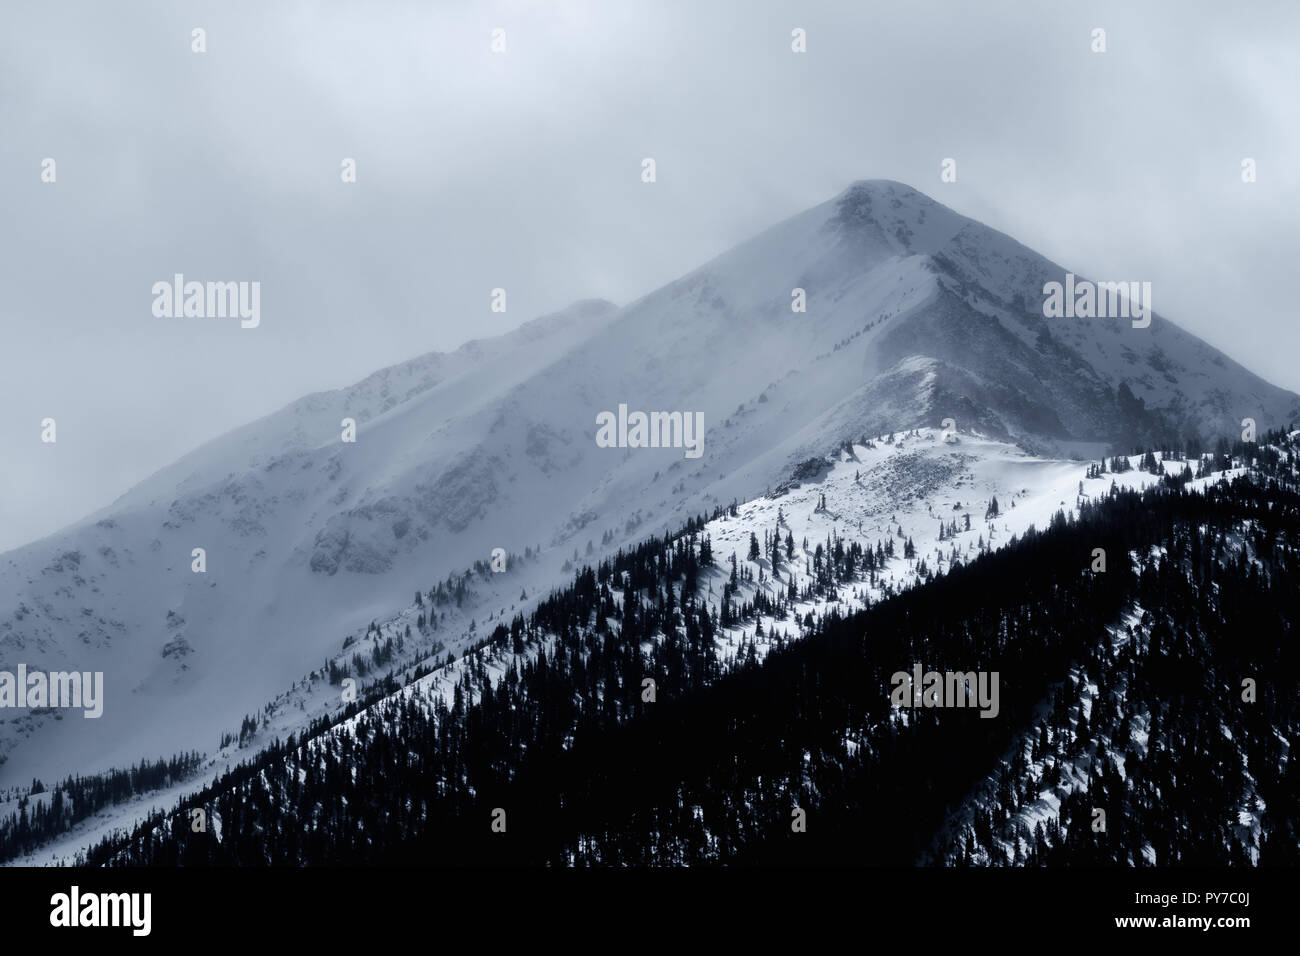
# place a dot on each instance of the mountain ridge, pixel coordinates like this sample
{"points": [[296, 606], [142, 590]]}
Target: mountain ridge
{"points": [[912, 318]]}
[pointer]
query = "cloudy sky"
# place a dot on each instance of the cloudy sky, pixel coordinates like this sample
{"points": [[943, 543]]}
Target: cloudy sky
{"points": [[522, 170]]}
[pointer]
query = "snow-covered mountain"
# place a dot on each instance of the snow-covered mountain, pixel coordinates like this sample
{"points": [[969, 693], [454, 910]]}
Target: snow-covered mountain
{"points": [[914, 314], [922, 500], [876, 529]]}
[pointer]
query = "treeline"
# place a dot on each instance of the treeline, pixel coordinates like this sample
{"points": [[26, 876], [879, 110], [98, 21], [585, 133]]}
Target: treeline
{"points": [[76, 798], [602, 729]]}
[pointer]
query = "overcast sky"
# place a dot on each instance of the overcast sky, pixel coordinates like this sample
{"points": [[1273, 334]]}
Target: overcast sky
{"points": [[522, 170]]}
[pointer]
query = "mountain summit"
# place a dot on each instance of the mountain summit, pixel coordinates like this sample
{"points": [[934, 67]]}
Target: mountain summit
{"points": [[912, 314]]}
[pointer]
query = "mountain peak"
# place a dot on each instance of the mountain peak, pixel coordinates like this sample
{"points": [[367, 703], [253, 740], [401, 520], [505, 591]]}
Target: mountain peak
{"points": [[868, 200], [876, 310], [884, 187]]}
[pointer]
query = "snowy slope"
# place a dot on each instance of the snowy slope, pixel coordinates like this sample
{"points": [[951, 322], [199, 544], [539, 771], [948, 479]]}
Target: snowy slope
{"points": [[868, 493]]}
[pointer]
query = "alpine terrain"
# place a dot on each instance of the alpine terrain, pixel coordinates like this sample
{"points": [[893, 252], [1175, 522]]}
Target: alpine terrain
{"points": [[654, 655]]}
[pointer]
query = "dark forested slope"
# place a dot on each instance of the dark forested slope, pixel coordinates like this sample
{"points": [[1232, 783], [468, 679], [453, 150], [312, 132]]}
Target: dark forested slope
{"points": [[1161, 691]]}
